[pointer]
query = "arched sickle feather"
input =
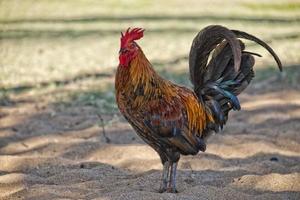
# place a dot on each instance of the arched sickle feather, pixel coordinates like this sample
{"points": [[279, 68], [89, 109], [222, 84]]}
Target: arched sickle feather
{"points": [[247, 36], [205, 42], [235, 46]]}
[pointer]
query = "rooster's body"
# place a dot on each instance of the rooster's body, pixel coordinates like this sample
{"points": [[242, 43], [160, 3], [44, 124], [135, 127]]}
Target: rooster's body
{"points": [[173, 119]]}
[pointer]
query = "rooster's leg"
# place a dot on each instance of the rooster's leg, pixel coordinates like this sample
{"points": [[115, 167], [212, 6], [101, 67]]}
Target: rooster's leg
{"points": [[172, 182], [165, 176]]}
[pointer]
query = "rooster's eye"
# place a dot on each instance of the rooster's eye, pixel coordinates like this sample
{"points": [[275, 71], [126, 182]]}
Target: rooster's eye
{"points": [[123, 51]]}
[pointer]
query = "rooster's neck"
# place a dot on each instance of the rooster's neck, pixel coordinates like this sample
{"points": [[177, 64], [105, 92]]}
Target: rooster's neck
{"points": [[139, 74], [140, 64], [140, 70]]}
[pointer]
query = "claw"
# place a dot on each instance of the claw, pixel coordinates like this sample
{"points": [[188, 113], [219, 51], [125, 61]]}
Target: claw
{"points": [[171, 190], [162, 190]]}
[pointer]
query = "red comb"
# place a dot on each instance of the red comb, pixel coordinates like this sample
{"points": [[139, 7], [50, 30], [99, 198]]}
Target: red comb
{"points": [[131, 35]]}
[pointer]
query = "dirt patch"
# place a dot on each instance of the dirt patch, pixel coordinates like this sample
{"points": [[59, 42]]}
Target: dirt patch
{"points": [[50, 153]]}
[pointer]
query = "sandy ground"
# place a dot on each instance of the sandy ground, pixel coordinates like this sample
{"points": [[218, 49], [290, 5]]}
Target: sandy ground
{"points": [[52, 153]]}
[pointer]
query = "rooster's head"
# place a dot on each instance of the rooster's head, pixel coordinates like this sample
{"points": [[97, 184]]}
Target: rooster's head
{"points": [[129, 48]]}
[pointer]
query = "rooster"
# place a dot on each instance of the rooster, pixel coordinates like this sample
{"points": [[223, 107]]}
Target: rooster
{"points": [[175, 120]]}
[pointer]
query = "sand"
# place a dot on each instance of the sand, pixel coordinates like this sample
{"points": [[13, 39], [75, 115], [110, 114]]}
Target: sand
{"points": [[50, 153]]}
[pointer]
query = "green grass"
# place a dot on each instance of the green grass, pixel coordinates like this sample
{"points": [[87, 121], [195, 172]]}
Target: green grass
{"points": [[103, 101], [282, 6]]}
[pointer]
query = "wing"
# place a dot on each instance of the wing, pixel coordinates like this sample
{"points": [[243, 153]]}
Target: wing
{"points": [[168, 119]]}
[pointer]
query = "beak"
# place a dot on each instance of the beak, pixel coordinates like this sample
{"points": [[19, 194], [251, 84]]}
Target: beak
{"points": [[121, 50]]}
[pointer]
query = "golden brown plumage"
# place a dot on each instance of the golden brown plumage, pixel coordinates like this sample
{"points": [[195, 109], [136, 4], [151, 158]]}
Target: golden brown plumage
{"points": [[158, 96], [173, 119]]}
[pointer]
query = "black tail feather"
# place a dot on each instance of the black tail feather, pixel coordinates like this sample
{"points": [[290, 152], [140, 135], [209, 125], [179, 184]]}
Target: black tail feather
{"points": [[241, 34], [217, 82]]}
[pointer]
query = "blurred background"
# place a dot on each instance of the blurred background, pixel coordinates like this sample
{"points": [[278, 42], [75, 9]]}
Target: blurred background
{"points": [[46, 42], [57, 65]]}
